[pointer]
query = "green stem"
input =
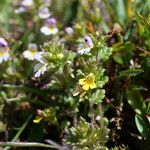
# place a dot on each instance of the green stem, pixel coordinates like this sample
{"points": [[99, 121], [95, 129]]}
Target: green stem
{"points": [[19, 132], [101, 114], [23, 88], [26, 144], [14, 99], [30, 90]]}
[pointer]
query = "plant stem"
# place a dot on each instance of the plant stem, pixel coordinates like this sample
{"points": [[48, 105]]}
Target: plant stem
{"points": [[18, 133], [25, 144], [23, 88]]}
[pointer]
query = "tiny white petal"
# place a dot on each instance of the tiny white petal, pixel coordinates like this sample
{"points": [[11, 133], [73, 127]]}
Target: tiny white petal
{"points": [[1, 59], [6, 56], [29, 54], [27, 3], [38, 73], [20, 10], [37, 67], [44, 13], [83, 49], [31, 51], [45, 30], [39, 57], [48, 31], [40, 68], [69, 31]]}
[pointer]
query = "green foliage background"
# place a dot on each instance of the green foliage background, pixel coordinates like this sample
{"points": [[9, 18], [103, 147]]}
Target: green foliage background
{"points": [[115, 115]]}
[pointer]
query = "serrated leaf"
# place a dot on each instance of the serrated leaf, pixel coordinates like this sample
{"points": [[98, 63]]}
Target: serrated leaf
{"points": [[141, 126], [98, 96], [86, 136]]}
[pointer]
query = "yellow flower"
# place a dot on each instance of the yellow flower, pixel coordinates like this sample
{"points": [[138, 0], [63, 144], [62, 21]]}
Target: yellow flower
{"points": [[88, 82], [37, 119]]}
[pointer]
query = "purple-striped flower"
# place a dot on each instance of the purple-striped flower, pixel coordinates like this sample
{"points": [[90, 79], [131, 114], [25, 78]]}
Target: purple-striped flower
{"points": [[86, 46], [88, 41], [50, 27], [4, 50]]}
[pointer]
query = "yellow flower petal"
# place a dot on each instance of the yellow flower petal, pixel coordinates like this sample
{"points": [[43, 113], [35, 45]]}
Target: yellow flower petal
{"points": [[91, 75], [37, 119], [86, 87], [82, 81], [92, 86], [88, 82]]}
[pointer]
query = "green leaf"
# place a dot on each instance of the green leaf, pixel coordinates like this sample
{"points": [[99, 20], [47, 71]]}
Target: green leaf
{"points": [[98, 96], [86, 136], [131, 72], [136, 101], [148, 108], [118, 59], [141, 126], [119, 9]]}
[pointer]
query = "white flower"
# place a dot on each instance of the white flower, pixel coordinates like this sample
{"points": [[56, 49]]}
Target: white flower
{"points": [[39, 57], [27, 3], [83, 49], [4, 55], [4, 50], [86, 46], [50, 27], [69, 31], [48, 31], [20, 10], [40, 69], [31, 52], [44, 13]]}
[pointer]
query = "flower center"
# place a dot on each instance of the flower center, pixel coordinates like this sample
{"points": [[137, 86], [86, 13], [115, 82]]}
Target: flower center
{"points": [[89, 79], [1, 53]]}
